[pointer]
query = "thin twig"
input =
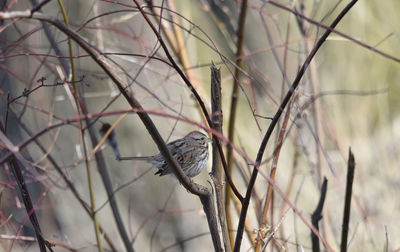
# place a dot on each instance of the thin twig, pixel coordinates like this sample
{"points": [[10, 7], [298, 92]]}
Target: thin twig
{"points": [[369, 47], [271, 127]]}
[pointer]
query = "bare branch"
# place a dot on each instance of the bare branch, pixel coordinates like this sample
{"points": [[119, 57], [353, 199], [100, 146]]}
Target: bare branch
{"points": [[271, 127]]}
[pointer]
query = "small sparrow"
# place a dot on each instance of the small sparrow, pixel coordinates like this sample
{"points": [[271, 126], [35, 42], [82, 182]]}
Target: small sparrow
{"points": [[191, 152]]}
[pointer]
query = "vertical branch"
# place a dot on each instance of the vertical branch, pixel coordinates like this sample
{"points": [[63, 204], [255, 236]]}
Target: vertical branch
{"points": [[232, 117], [91, 193], [217, 169], [317, 215], [216, 107], [209, 209], [347, 201]]}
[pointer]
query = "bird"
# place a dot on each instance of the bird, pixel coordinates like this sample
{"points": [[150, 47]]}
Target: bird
{"points": [[191, 152]]}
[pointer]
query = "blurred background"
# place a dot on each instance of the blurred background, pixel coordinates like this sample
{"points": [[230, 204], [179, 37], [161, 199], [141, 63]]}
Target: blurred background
{"points": [[348, 98]]}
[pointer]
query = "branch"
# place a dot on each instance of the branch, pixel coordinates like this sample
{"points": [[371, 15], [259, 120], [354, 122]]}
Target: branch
{"points": [[105, 177], [30, 210], [372, 48], [347, 201], [201, 191], [217, 170], [101, 60], [65, 178], [317, 215], [276, 117], [195, 93]]}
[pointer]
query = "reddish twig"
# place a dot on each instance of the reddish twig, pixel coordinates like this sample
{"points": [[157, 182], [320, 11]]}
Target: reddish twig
{"points": [[276, 117]]}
